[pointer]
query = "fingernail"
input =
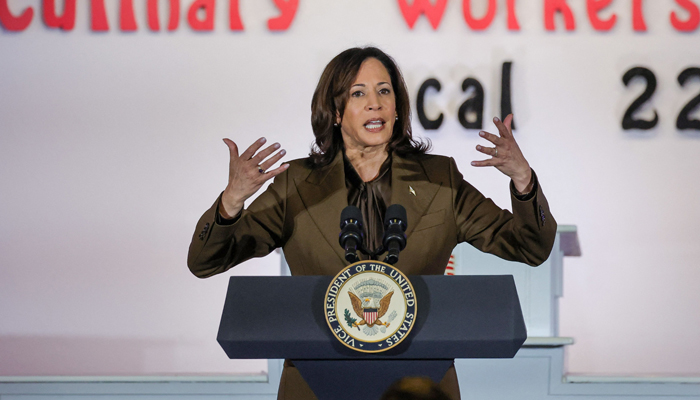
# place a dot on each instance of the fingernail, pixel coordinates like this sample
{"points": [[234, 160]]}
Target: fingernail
{"points": [[283, 152], [496, 119], [478, 147], [473, 162], [263, 140], [276, 145], [482, 133]]}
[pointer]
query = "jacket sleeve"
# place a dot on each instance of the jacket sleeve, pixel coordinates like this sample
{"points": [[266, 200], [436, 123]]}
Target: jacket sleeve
{"points": [[215, 248], [525, 235]]}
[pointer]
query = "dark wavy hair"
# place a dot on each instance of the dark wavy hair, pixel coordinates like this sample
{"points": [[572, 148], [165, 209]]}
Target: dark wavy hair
{"points": [[332, 94]]}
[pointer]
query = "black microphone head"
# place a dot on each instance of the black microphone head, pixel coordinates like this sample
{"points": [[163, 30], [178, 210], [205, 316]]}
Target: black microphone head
{"points": [[396, 212], [351, 213], [351, 237]]}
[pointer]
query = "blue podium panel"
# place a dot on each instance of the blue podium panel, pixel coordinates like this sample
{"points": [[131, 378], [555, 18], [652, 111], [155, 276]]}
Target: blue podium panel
{"points": [[457, 317]]}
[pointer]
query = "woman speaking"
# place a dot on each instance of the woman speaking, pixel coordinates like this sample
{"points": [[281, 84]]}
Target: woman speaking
{"points": [[365, 155]]}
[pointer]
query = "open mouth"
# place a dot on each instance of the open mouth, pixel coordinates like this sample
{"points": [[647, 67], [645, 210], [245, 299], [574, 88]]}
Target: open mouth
{"points": [[375, 125]]}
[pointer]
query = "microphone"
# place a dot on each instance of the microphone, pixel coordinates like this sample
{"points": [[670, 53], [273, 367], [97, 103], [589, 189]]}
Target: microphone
{"points": [[394, 240], [351, 232]]}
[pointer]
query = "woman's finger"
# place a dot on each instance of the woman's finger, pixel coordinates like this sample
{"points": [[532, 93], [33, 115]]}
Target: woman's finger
{"points": [[272, 160], [250, 151], [258, 158], [502, 129], [490, 151], [491, 162], [272, 173], [508, 122], [232, 148], [495, 139]]}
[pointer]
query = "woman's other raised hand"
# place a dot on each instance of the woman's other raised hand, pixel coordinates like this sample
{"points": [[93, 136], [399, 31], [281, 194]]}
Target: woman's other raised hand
{"points": [[247, 173], [506, 155]]}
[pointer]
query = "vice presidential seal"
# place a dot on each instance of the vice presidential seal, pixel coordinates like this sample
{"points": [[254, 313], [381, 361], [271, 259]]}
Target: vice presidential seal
{"points": [[370, 306]]}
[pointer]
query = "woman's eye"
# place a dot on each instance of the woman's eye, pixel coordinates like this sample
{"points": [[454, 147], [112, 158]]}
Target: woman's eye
{"points": [[357, 93], [385, 91]]}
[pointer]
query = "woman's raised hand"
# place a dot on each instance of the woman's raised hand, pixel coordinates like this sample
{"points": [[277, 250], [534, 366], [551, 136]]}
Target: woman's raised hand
{"points": [[506, 155], [247, 173]]}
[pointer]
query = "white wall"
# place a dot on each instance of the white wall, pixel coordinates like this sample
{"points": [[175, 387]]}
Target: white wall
{"points": [[110, 149]]}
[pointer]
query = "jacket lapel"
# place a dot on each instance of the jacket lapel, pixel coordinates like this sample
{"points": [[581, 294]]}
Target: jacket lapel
{"points": [[324, 195], [411, 187]]}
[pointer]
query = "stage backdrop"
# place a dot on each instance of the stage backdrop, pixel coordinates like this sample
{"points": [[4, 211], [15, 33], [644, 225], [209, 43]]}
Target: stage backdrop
{"points": [[110, 149]]}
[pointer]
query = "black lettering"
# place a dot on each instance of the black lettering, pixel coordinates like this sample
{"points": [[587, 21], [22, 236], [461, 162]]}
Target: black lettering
{"points": [[683, 121], [473, 105], [506, 106], [628, 120], [427, 123]]}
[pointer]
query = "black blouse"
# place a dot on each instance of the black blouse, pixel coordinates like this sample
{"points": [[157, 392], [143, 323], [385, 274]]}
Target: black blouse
{"points": [[372, 198]]}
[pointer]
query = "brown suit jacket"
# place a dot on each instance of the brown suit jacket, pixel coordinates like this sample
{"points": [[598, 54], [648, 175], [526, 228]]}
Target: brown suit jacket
{"points": [[300, 212]]}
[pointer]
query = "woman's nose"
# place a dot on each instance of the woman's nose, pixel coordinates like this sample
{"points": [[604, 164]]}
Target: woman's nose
{"points": [[373, 102]]}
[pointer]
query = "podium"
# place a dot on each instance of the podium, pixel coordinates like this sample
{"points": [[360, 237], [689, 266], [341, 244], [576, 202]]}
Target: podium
{"points": [[457, 317]]}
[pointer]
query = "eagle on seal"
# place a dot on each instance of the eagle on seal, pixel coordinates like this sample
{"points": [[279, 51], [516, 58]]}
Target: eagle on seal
{"points": [[368, 309]]}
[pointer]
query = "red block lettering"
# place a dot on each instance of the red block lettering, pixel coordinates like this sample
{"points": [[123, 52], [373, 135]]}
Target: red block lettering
{"points": [[127, 21], [594, 6], [206, 24], [12, 23], [234, 16], [288, 8], [553, 6], [99, 15], [481, 23], [512, 18], [432, 12], [638, 23], [154, 23], [65, 21], [174, 20], [693, 19]]}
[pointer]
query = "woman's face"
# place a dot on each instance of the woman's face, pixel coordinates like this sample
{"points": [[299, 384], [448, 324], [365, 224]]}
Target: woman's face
{"points": [[370, 112]]}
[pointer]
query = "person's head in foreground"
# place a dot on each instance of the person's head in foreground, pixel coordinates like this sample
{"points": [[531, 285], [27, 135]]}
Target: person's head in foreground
{"points": [[414, 388]]}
